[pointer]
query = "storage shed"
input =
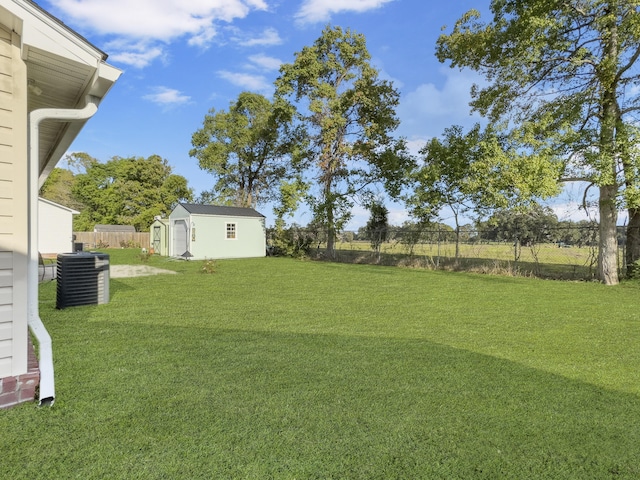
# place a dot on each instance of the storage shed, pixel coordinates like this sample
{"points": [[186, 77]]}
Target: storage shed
{"points": [[159, 236], [210, 231], [114, 228], [55, 228]]}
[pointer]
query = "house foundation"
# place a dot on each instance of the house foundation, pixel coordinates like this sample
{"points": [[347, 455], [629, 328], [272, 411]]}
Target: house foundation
{"points": [[21, 388]]}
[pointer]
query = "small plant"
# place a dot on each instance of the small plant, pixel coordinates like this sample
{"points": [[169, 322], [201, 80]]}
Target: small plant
{"points": [[633, 271], [208, 266], [144, 256], [129, 244]]}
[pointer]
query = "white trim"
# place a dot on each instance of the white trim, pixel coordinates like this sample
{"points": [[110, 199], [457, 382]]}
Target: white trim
{"points": [[61, 207], [235, 230]]}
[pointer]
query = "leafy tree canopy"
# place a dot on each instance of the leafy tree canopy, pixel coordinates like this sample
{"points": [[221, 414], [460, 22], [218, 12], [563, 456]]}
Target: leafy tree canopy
{"points": [[348, 115], [127, 191], [561, 77], [377, 227], [58, 188], [248, 149]]}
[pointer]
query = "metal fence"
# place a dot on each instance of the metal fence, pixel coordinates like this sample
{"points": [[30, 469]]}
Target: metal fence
{"points": [[567, 252]]}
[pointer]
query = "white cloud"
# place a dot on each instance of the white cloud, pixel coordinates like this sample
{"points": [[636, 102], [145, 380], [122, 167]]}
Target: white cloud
{"points": [[415, 145], [265, 62], [314, 11], [155, 21], [167, 97], [137, 55], [269, 37], [426, 111], [252, 81], [256, 83]]}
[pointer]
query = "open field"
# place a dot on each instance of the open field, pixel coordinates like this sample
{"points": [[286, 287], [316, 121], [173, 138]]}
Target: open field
{"points": [[544, 260], [276, 368]]}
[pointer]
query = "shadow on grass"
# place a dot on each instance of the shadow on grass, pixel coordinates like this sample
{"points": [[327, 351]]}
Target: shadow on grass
{"points": [[117, 286], [141, 401]]}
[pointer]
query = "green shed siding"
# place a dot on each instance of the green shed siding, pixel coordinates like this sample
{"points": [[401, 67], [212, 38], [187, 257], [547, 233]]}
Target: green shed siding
{"points": [[205, 235], [159, 237], [208, 238]]}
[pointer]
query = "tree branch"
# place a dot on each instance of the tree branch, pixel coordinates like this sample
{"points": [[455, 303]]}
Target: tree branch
{"points": [[629, 64]]}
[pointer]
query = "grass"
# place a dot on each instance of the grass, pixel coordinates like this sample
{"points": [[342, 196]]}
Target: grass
{"points": [[545, 252], [275, 368], [544, 260]]}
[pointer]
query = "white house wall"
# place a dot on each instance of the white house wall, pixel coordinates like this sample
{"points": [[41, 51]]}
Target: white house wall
{"points": [[55, 228], [13, 206]]}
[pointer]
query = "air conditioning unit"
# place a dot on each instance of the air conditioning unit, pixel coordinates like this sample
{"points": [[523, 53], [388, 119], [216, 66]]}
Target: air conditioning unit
{"points": [[83, 279]]}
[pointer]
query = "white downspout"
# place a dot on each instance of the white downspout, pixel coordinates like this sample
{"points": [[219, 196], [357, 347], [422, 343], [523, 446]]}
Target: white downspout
{"points": [[47, 384]]}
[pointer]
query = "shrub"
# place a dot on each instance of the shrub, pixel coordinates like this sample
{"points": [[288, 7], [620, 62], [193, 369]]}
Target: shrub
{"points": [[129, 244], [292, 242], [208, 266]]}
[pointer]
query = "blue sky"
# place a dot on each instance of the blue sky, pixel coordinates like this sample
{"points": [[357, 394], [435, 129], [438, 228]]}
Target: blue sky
{"points": [[180, 58]]}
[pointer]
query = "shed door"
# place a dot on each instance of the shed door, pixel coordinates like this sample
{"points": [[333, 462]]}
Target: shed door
{"points": [[179, 237], [156, 238]]}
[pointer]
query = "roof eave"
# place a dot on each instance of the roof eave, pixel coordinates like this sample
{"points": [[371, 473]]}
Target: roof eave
{"points": [[40, 32]]}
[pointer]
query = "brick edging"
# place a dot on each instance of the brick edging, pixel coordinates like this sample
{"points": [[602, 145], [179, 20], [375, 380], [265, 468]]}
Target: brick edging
{"points": [[21, 388]]}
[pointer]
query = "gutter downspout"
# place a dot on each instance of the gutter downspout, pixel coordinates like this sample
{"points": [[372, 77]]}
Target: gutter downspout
{"points": [[47, 384]]}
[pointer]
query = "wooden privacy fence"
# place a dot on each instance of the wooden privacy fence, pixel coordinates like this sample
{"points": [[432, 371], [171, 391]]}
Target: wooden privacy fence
{"points": [[91, 240]]}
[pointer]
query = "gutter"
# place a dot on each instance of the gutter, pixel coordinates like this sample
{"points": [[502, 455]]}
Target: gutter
{"points": [[47, 384]]}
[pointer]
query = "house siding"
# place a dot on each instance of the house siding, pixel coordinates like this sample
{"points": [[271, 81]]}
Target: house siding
{"points": [[13, 207]]}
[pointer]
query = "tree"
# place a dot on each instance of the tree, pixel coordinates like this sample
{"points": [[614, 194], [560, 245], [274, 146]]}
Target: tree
{"points": [[128, 191], [558, 76], [443, 178], [377, 228], [527, 227], [348, 114], [248, 149], [58, 188], [475, 172]]}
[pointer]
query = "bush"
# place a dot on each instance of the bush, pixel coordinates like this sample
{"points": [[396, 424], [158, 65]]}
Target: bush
{"points": [[208, 266], [129, 244], [291, 242]]}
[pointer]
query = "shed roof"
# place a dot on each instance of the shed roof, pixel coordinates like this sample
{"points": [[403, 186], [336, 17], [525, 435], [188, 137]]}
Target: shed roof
{"points": [[114, 228], [57, 205], [221, 210]]}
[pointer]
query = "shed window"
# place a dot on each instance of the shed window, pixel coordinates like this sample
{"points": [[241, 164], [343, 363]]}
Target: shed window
{"points": [[231, 231]]}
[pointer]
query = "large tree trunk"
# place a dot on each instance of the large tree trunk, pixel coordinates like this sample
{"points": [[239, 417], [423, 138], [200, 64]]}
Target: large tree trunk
{"points": [[608, 241], [633, 242], [331, 227], [331, 235]]}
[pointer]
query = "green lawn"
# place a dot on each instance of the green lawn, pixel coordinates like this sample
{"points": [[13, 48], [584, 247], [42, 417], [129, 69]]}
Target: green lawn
{"points": [[276, 368]]}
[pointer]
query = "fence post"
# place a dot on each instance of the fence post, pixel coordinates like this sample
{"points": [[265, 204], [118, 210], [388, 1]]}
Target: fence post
{"points": [[515, 249], [438, 257]]}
